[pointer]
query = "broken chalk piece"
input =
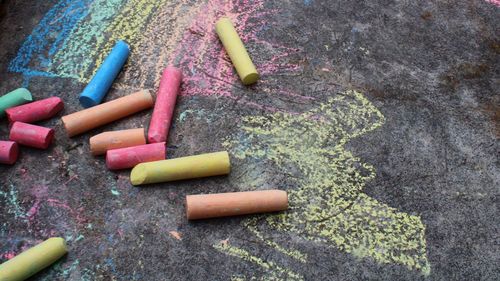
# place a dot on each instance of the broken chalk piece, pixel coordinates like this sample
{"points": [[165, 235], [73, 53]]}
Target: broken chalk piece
{"points": [[31, 135], [164, 105], [97, 88], [9, 151], [35, 111], [205, 206], [14, 98], [33, 260], [103, 142], [236, 51], [90, 118], [124, 158], [203, 165]]}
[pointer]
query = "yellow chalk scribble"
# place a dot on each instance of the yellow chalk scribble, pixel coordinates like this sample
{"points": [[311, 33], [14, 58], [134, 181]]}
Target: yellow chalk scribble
{"points": [[326, 203], [274, 271]]}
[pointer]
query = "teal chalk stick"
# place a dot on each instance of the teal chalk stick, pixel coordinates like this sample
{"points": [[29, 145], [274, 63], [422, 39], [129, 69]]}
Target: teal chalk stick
{"points": [[14, 98]]}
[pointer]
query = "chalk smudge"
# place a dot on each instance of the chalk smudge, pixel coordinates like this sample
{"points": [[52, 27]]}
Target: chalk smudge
{"points": [[12, 202], [75, 57], [275, 271], [35, 55], [328, 204]]}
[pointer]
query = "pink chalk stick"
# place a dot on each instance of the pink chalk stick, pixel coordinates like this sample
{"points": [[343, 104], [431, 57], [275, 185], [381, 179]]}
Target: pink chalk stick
{"points": [[164, 106], [9, 151], [31, 135], [35, 111], [128, 157]]}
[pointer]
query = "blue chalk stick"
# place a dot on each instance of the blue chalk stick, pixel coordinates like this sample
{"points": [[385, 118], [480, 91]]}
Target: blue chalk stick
{"points": [[101, 82]]}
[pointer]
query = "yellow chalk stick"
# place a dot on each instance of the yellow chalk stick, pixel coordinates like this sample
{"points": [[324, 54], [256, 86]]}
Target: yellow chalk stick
{"points": [[33, 260], [198, 166], [236, 51]]}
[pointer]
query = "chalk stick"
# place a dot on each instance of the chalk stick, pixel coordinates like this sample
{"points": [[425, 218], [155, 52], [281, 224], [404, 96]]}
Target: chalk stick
{"points": [[205, 206], [203, 165], [14, 98], [124, 158], [164, 105], [97, 88], [35, 111], [103, 142], [33, 260], [31, 135], [236, 51], [9, 151], [90, 118]]}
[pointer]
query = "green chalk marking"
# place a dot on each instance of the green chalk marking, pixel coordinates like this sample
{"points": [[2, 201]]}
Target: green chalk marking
{"points": [[14, 98]]}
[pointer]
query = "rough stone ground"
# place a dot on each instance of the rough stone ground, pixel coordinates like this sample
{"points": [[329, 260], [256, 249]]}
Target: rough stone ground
{"points": [[431, 68]]}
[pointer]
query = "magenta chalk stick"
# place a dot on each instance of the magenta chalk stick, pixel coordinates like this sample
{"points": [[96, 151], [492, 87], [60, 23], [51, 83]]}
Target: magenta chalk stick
{"points": [[128, 157], [164, 106], [9, 151], [35, 111], [31, 135]]}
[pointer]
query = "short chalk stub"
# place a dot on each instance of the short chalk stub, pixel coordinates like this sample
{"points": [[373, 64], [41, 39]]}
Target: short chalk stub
{"points": [[31, 135], [9, 152], [35, 111], [100, 84], [105, 141], [197, 166], [124, 158], [33, 260]]}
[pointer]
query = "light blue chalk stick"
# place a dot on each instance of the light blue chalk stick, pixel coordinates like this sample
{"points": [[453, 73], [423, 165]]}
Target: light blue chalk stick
{"points": [[104, 77]]}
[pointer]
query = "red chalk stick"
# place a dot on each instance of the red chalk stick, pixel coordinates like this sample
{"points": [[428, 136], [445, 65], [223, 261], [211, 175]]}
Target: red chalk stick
{"points": [[9, 151], [35, 111], [123, 158], [31, 135], [164, 106]]}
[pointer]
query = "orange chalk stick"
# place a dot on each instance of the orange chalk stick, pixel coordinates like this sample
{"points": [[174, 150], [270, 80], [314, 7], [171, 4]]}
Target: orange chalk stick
{"points": [[205, 206], [90, 118], [103, 142]]}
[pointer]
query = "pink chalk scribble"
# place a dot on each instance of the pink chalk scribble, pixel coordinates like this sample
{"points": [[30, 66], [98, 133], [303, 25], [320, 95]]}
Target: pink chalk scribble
{"points": [[208, 69], [494, 2]]}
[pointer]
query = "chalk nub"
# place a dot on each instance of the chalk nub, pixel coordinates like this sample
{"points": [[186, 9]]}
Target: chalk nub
{"points": [[35, 111], [14, 98], [90, 118], [164, 105], [205, 206], [236, 51], [31, 135], [203, 165], [124, 158], [103, 79], [103, 142], [33, 260], [9, 151]]}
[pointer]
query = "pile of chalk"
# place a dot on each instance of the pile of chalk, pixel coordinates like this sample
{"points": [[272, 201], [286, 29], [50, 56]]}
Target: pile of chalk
{"points": [[133, 148], [22, 113]]}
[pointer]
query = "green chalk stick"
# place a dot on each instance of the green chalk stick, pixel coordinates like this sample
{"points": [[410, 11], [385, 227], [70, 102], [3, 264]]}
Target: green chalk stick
{"points": [[14, 98]]}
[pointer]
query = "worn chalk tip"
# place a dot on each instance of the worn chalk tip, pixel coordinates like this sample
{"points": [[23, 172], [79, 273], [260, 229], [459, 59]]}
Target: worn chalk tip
{"points": [[87, 101], [138, 175], [59, 242], [24, 94], [250, 78]]}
